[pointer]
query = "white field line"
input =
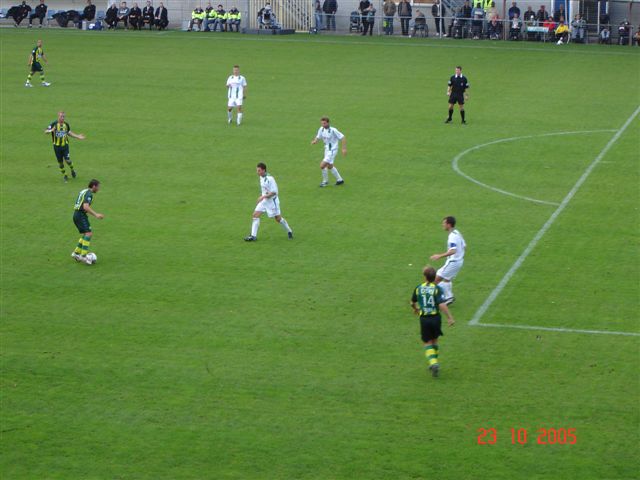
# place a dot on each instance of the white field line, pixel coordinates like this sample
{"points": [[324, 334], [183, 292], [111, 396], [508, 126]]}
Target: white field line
{"points": [[518, 263], [557, 329], [455, 162]]}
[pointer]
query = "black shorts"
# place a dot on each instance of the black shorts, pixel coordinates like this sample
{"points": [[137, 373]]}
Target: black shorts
{"points": [[430, 327], [82, 222], [36, 67], [456, 98], [62, 152]]}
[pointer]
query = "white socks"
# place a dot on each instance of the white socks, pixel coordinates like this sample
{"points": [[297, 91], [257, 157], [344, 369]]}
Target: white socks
{"points": [[285, 225], [336, 174], [255, 224], [229, 116], [325, 175], [447, 288], [239, 118]]}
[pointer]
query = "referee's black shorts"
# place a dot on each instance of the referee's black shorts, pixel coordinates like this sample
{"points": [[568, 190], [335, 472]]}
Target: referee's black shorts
{"points": [[430, 327], [456, 98]]}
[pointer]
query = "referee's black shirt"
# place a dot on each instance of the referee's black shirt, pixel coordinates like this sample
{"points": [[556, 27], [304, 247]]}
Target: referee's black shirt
{"points": [[458, 84]]}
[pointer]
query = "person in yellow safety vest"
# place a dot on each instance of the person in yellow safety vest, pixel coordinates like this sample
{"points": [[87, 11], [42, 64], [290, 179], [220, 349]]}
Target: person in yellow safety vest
{"points": [[234, 19], [562, 33], [211, 15], [221, 19], [197, 17], [486, 5]]}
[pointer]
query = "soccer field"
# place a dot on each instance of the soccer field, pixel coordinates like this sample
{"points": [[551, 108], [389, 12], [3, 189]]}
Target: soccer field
{"points": [[186, 353]]}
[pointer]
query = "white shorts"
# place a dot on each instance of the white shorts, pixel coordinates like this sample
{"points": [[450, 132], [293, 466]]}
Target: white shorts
{"points": [[330, 155], [234, 102], [450, 269], [269, 205]]}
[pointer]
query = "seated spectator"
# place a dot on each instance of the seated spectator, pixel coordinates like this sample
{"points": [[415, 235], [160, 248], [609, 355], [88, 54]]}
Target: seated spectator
{"points": [[494, 29], [515, 27], [19, 13], [578, 29], [40, 13], [197, 17], [624, 32], [266, 17], [147, 15], [89, 12], [605, 35], [209, 17], [477, 15], [550, 25], [111, 16], [161, 17], [135, 17], [562, 32], [457, 27], [234, 19], [514, 10], [420, 23], [123, 15], [221, 19]]}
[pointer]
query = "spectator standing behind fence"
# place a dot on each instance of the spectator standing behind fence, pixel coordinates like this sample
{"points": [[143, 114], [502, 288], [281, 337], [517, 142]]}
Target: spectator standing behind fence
{"points": [[542, 15], [147, 15], [559, 14], [135, 17], [405, 14], [330, 7], [317, 12], [439, 13], [513, 10], [111, 16], [389, 9], [161, 17], [466, 12], [123, 15], [19, 13], [40, 13], [578, 29], [492, 13], [89, 12], [363, 8]]}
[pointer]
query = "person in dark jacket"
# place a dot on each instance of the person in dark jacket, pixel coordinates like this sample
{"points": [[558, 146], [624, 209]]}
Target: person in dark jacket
{"points": [[135, 17], [147, 15], [40, 13], [19, 13], [89, 12], [123, 15], [330, 7], [111, 16], [404, 12], [439, 13], [161, 17]]}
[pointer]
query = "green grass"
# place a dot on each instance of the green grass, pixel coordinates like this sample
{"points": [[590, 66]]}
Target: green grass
{"points": [[187, 354]]}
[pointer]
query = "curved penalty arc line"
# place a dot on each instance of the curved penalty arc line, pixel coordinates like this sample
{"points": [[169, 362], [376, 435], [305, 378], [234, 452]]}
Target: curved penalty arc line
{"points": [[456, 160]]}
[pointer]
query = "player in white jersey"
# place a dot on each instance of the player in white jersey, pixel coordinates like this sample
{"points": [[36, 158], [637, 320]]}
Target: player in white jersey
{"points": [[456, 247], [267, 202], [331, 138], [236, 93]]}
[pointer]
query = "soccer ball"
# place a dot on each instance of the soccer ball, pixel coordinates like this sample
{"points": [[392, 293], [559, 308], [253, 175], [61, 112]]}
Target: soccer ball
{"points": [[92, 257]]}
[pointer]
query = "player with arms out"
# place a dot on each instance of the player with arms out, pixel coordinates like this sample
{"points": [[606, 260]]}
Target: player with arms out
{"points": [[35, 65], [331, 137], [81, 208], [60, 132], [456, 247], [427, 302], [267, 202], [457, 93], [236, 93]]}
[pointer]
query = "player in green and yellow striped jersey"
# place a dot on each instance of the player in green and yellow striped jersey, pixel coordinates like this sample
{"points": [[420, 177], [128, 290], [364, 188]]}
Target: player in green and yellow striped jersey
{"points": [[427, 301], [81, 208], [35, 64], [60, 132]]}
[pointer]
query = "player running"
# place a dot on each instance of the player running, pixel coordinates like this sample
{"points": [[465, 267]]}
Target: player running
{"points": [[35, 65], [81, 220], [427, 302], [267, 202], [331, 137], [60, 132], [236, 93], [456, 247]]}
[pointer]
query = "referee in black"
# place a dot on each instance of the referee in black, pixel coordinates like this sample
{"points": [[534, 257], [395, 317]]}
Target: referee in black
{"points": [[457, 92]]}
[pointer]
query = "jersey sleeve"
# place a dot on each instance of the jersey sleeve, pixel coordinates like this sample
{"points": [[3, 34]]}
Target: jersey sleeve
{"points": [[244, 82], [414, 297], [450, 82], [273, 186], [338, 134], [319, 134], [68, 127], [452, 241], [228, 81]]}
